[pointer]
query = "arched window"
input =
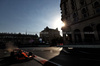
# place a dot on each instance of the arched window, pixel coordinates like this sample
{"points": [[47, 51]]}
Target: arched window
{"points": [[82, 2], [96, 6], [75, 16], [73, 4], [84, 12]]}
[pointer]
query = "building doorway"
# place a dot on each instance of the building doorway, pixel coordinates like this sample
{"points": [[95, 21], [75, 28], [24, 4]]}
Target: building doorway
{"points": [[69, 38], [77, 36], [98, 30], [89, 35]]}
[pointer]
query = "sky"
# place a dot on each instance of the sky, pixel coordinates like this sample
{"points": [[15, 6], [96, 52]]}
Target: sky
{"points": [[30, 16]]}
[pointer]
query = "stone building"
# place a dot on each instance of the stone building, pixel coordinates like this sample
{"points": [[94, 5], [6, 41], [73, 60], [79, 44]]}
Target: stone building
{"points": [[82, 21], [17, 39], [49, 34]]}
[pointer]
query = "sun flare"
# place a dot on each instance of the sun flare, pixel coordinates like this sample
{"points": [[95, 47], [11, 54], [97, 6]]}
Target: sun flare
{"points": [[58, 23]]}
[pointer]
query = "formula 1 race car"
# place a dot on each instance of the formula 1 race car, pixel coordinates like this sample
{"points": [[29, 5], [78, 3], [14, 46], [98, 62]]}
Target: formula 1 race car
{"points": [[18, 54]]}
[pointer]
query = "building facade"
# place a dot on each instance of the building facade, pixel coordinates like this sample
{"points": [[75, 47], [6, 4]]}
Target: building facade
{"points": [[49, 34], [82, 21], [17, 39]]}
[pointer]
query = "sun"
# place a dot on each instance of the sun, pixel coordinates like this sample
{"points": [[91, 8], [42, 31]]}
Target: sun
{"points": [[62, 24], [58, 23]]}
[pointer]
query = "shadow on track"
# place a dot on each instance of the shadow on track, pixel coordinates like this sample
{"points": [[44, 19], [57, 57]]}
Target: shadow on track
{"points": [[65, 59], [7, 61]]}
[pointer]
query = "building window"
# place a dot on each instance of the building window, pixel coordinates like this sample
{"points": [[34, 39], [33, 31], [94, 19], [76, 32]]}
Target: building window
{"points": [[65, 8], [82, 2], [75, 17], [96, 6], [73, 4], [84, 12]]}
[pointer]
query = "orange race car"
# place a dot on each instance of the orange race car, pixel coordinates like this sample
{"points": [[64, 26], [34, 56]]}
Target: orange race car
{"points": [[19, 54]]}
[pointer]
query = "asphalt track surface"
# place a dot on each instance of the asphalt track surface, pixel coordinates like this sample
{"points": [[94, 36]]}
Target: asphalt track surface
{"points": [[53, 56]]}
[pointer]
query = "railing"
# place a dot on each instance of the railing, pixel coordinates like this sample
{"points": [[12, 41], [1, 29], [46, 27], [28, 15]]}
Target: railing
{"points": [[80, 46]]}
